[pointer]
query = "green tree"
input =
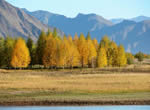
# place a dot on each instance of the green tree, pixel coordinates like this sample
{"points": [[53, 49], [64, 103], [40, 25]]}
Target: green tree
{"points": [[139, 56], [1, 51], [31, 48], [40, 47], [30, 44], [55, 32], [8, 49], [130, 58]]}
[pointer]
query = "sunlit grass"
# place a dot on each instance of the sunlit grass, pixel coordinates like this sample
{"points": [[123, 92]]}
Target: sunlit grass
{"points": [[66, 84]]}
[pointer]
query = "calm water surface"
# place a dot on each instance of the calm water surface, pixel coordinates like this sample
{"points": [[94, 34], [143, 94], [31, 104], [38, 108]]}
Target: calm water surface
{"points": [[79, 108]]}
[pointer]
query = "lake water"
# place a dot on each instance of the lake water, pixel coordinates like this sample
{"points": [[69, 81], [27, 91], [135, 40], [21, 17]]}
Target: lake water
{"points": [[78, 108]]}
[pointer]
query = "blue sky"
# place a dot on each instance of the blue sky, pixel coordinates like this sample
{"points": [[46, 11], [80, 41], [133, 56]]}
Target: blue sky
{"points": [[106, 8]]}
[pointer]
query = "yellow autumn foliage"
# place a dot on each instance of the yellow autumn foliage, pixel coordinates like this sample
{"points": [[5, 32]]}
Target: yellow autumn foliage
{"points": [[122, 60], [63, 52], [102, 58], [50, 57], [92, 54], [95, 42], [76, 39], [73, 54], [54, 51], [20, 54], [83, 50], [112, 54]]}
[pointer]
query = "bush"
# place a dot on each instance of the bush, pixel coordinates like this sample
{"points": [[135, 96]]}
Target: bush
{"points": [[130, 58], [140, 56]]}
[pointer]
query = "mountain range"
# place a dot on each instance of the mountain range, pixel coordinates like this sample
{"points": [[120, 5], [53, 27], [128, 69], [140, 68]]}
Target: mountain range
{"points": [[15, 22], [134, 36], [136, 19], [81, 23], [133, 33]]}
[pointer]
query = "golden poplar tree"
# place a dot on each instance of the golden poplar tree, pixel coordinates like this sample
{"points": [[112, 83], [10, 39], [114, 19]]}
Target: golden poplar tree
{"points": [[95, 42], [73, 54], [101, 58], [83, 50], [105, 42], [76, 39], [92, 54], [88, 37], [49, 34], [64, 52], [20, 54], [122, 60], [112, 54], [50, 56]]}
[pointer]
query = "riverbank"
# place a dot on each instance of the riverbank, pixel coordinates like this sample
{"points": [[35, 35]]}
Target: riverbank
{"points": [[123, 86], [74, 103]]}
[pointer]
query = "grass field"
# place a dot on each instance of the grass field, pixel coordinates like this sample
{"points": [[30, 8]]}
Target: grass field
{"points": [[69, 85]]}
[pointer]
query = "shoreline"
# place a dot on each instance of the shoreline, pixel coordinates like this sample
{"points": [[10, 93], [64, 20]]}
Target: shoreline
{"points": [[75, 103]]}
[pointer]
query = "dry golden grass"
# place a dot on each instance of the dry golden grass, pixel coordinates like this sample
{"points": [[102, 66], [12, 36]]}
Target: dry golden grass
{"points": [[53, 81], [78, 84]]}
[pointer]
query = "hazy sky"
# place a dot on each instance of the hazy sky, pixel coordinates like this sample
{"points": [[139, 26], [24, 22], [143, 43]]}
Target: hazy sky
{"points": [[106, 8]]}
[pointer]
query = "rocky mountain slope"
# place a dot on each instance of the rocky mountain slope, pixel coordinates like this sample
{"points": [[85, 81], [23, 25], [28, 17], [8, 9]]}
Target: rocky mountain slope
{"points": [[15, 22]]}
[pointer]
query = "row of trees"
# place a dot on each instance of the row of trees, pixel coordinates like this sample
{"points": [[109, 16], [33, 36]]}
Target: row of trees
{"points": [[14, 53], [52, 51]]}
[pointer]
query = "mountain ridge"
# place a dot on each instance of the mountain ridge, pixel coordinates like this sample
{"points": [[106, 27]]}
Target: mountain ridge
{"points": [[136, 19], [62, 22], [132, 34], [15, 22]]}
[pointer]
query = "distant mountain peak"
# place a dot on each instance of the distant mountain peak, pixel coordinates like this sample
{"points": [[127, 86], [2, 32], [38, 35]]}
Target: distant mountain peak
{"points": [[140, 18], [128, 21], [135, 19], [15, 22], [86, 15], [2, 1], [24, 9]]}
